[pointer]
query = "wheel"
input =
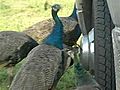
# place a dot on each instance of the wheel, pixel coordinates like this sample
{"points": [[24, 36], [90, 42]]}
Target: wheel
{"points": [[104, 58]]}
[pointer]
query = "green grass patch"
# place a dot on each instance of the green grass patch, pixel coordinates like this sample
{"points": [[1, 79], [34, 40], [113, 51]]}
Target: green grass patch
{"points": [[67, 82], [19, 14]]}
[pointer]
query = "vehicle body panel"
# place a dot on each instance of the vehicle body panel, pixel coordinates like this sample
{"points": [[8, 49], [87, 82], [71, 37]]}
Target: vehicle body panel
{"points": [[114, 8]]}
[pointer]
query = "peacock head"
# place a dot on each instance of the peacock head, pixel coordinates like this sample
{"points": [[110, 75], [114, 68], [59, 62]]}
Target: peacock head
{"points": [[56, 7]]}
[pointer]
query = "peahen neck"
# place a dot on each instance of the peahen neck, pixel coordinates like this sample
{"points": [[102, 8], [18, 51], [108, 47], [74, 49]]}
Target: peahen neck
{"points": [[56, 37], [74, 14]]}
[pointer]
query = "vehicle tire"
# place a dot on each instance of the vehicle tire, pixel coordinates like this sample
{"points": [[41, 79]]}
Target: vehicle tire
{"points": [[104, 57]]}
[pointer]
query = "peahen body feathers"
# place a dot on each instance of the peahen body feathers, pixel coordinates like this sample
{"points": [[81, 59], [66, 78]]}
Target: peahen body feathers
{"points": [[44, 62]]}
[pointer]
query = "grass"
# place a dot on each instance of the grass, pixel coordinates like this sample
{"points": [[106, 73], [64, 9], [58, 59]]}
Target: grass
{"points": [[67, 82], [20, 14], [16, 15]]}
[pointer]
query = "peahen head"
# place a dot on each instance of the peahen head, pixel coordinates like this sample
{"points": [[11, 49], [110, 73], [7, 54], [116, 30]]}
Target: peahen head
{"points": [[56, 37]]}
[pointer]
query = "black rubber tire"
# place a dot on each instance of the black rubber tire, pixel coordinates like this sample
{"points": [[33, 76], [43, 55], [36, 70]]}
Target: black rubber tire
{"points": [[104, 59]]}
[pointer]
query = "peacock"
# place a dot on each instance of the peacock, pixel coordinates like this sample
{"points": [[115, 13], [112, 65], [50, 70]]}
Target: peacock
{"points": [[42, 29], [14, 46], [45, 63], [83, 79]]}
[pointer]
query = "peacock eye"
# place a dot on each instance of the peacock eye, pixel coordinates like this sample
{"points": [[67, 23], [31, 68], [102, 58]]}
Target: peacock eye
{"points": [[54, 8]]}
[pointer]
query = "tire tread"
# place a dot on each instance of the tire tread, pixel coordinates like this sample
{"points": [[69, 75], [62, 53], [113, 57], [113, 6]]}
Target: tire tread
{"points": [[105, 75]]}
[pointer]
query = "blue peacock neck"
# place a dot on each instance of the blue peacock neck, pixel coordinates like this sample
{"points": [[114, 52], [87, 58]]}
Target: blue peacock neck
{"points": [[56, 18], [56, 37]]}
